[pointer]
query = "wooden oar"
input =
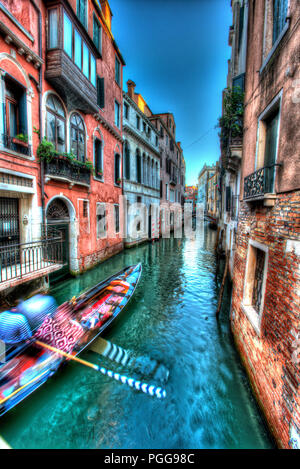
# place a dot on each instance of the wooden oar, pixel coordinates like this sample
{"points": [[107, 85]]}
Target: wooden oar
{"points": [[144, 387], [144, 365]]}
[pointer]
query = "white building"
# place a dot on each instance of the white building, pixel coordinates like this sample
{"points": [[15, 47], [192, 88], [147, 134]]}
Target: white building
{"points": [[141, 170]]}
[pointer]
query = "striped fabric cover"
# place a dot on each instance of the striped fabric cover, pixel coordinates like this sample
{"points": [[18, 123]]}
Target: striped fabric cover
{"points": [[14, 328]]}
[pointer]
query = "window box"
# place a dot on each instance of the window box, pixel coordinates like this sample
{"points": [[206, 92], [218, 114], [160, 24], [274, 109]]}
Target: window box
{"points": [[17, 141]]}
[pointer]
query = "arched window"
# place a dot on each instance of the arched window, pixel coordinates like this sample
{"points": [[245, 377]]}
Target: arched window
{"points": [[138, 167], [144, 169], [98, 161], [77, 134], [156, 176], [56, 123], [127, 160], [117, 169]]}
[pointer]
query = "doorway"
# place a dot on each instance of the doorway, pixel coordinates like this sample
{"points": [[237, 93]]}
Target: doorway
{"points": [[58, 224]]}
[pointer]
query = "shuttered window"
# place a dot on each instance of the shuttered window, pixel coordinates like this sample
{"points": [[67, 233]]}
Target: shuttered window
{"points": [[81, 11], [97, 34], [100, 92], [228, 198], [279, 16]]}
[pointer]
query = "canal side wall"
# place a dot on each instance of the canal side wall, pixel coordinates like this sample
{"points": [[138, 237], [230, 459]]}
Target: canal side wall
{"points": [[267, 348]]}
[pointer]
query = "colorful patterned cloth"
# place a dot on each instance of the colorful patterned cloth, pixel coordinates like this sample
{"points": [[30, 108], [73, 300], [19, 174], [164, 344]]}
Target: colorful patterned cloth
{"points": [[60, 332]]}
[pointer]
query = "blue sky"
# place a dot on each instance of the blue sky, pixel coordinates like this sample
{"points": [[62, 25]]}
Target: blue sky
{"points": [[176, 52]]}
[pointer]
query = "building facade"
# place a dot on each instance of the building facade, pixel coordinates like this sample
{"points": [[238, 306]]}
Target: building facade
{"points": [[231, 141], [172, 171], [190, 197], [265, 315], [141, 176], [61, 146]]}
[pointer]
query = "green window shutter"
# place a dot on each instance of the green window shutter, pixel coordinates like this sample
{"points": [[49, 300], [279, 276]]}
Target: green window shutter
{"points": [[100, 92]]}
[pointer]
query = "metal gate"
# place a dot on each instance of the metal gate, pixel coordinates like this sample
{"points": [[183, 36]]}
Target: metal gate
{"points": [[9, 231]]}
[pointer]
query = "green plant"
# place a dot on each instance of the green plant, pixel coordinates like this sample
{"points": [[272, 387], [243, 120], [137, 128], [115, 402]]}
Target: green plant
{"points": [[231, 121], [36, 131], [46, 152], [22, 138]]}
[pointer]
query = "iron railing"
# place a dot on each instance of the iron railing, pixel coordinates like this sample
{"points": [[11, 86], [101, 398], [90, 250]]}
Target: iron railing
{"points": [[19, 260], [260, 182], [62, 168], [11, 143]]}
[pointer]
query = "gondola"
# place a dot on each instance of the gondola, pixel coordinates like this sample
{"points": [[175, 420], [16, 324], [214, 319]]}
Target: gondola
{"points": [[71, 328]]}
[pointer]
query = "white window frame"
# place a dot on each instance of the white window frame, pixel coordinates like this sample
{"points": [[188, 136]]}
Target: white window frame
{"points": [[255, 317], [102, 235]]}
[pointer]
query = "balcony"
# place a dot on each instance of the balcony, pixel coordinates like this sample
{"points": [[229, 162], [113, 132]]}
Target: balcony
{"points": [[18, 146], [62, 169], [75, 89], [21, 263], [71, 58], [260, 185]]}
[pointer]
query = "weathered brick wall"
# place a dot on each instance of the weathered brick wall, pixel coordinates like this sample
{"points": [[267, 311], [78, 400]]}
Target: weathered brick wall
{"points": [[268, 358]]}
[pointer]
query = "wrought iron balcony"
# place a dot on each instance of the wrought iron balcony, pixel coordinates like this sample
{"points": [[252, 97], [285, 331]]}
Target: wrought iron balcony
{"points": [[23, 262], [259, 183], [61, 168], [12, 143]]}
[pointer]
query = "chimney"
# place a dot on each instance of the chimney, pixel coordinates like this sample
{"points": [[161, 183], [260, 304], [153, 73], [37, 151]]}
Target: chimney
{"points": [[131, 87]]}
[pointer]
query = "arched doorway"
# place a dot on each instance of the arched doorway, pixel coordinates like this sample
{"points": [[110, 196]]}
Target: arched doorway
{"points": [[58, 222]]}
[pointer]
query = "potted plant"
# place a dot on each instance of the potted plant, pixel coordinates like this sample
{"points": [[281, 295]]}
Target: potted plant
{"points": [[21, 139], [119, 181]]}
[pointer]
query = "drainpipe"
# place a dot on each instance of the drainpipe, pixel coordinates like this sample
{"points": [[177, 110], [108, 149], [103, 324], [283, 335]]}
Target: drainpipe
{"points": [[40, 90]]}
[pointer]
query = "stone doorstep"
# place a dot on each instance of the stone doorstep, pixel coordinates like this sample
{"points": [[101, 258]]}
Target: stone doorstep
{"points": [[30, 276]]}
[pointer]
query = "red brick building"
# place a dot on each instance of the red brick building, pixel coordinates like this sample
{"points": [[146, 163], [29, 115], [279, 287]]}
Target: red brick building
{"points": [[61, 79], [265, 313]]}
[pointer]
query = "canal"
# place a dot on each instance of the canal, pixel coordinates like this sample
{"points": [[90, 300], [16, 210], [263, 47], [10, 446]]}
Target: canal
{"points": [[171, 319]]}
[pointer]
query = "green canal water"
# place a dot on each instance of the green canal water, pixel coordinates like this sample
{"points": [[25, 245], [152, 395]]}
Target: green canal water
{"points": [[171, 318]]}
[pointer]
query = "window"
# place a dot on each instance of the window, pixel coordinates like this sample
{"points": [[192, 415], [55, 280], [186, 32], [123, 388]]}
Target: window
{"points": [[93, 71], [161, 132], [77, 49], [117, 170], [144, 126], [138, 167], [82, 11], [53, 28], [280, 8], [167, 139], [126, 111], [255, 282], [56, 123], [117, 218], [127, 161], [138, 122], [77, 134], [118, 71], [85, 209], [97, 33], [98, 163], [267, 145], [16, 108], [156, 140], [166, 191], [117, 114], [85, 60], [68, 36], [100, 92], [101, 221]]}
